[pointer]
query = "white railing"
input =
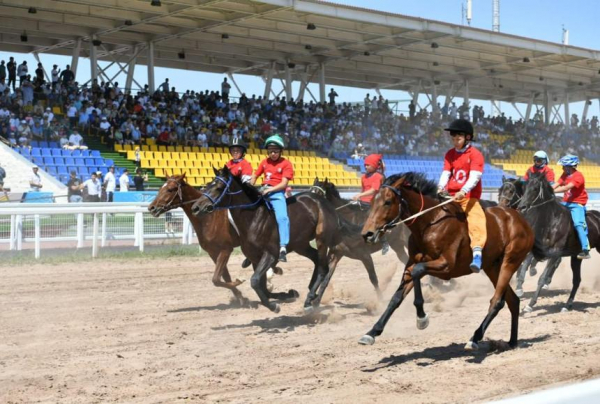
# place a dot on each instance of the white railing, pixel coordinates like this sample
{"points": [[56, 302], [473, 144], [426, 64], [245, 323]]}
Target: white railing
{"points": [[46, 225]]}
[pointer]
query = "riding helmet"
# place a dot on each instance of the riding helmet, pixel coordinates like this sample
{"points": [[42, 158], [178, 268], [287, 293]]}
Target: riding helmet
{"points": [[540, 154], [275, 140], [237, 142], [569, 161], [461, 126]]}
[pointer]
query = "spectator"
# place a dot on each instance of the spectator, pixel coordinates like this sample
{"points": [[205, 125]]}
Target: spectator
{"points": [[110, 184], [67, 76], [76, 140], [55, 76], [225, 88], [139, 180], [35, 181], [93, 187], [2, 177], [74, 188], [11, 66], [124, 181], [2, 72], [22, 71], [332, 95]]}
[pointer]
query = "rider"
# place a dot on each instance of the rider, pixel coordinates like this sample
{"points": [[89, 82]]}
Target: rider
{"points": [[540, 165], [463, 168], [572, 183], [238, 166], [371, 181], [278, 173]]}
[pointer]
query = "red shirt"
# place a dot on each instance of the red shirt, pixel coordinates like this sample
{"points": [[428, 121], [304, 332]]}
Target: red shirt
{"points": [[370, 181], [242, 167], [275, 171], [460, 166], [577, 194], [548, 172]]}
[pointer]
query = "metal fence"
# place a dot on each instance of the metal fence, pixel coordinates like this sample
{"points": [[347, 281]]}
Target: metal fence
{"points": [[79, 225]]}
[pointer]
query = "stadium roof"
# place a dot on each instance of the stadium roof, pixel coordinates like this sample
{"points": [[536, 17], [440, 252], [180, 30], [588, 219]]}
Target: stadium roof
{"points": [[358, 47]]}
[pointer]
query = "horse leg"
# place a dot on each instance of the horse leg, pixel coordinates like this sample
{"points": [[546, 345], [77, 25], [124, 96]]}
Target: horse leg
{"points": [[322, 269], [538, 290], [418, 272], [532, 270], [259, 284], [221, 272], [501, 283], [576, 268], [403, 290], [553, 264], [522, 271], [333, 258]]}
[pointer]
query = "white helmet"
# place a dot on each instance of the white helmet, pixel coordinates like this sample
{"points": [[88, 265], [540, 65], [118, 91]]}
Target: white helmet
{"points": [[540, 154]]}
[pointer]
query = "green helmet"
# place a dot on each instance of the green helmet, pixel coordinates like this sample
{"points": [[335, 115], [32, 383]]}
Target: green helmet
{"points": [[275, 140]]}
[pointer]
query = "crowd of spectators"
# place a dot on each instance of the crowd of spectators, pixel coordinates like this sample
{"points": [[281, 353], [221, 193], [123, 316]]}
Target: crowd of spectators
{"points": [[213, 118]]}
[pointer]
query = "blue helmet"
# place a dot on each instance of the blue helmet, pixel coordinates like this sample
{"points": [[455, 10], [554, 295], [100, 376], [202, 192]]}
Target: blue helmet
{"points": [[569, 161], [540, 154]]}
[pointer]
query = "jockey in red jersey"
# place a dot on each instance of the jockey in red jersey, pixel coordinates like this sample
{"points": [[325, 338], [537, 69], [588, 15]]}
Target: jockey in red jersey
{"points": [[238, 166], [540, 165]]}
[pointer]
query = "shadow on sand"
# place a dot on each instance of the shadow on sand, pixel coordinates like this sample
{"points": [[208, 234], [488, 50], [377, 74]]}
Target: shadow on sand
{"points": [[432, 355]]}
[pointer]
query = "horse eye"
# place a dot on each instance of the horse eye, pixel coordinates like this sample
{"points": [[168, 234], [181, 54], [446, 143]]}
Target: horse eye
{"points": [[387, 203]]}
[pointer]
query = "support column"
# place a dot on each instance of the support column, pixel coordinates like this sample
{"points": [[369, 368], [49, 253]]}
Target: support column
{"points": [[288, 81], [269, 81], [151, 67], [131, 70], [75, 57], [449, 95], [93, 61], [467, 101], [322, 82], [528, 110], [230, 75], [37, 57], [567, 114], [434, 96], [585, 110], [547, 105], [303, 84]]}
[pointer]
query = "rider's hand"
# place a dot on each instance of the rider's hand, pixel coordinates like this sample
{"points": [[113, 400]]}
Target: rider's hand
{"points": [[459, 196], [355, 198], [266, 191]]}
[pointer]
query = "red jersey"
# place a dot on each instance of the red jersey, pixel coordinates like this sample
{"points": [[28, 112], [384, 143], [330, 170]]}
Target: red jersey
{"points": [[370, 181], [577, 194], [240, 168], [548, 172], [275, 171], [460, 165]]}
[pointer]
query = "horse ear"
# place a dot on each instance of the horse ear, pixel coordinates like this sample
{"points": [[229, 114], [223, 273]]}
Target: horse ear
{"points": [[316, 181], [215, 170], [183, 175]]}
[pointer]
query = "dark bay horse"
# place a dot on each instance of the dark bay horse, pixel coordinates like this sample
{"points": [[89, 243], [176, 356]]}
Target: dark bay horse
{"points": [[311, 218], [555, 234], [509, 195], [215, 233], [439, 246]]}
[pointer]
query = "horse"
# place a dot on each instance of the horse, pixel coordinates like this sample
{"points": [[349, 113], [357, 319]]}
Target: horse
{"points": [[439, 246], [554, 231], [311, 218], [509, 195], [215, 233]]}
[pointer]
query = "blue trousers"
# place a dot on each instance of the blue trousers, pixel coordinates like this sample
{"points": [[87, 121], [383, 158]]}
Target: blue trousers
{"points": [[578, 216], [277, 200]]}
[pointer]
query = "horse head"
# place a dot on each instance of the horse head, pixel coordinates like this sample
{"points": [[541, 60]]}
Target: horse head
{"points": [[537, 192], [170, 196], [385, 212], [214, 192], [324, 188], [511, 192]]}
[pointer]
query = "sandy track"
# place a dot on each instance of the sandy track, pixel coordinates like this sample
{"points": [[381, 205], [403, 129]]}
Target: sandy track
{"points": [[157, 331]]}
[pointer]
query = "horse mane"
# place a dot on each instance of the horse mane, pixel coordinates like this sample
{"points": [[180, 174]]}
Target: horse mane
{"points": [[545, 187], [250, 190], [414, 181]]}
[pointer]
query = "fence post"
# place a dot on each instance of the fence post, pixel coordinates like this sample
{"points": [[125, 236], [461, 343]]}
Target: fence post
{"points": [[13, 231], [103, 241], [136, 230], [140, 221], [19, 232], [95, 237], [185, 230], [80, 229], [36, 220]]}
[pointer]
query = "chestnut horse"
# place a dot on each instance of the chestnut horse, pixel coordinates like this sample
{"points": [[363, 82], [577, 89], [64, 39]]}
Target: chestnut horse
{"points": [[439, 246], [215, 233]]}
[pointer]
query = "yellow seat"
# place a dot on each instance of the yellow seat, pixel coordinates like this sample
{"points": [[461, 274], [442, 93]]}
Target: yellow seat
{"points": [[154, 148], [159, 172]]}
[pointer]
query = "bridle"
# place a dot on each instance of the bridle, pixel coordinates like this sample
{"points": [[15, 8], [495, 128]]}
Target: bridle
{"points": [[215, 201], [315, 189], [514, 189], [402, 203], [168, 206], [539, 196]]}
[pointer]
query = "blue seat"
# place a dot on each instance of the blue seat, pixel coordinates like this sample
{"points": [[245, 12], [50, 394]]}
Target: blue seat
{"points": [[25, 151], [89, 162], [64, 178], [83, 171], [85, 153], [99, 162], [48, 161], [66, 153], [104, 170], [38, 160], [95, 153], [80, 162], [51, 170], [109, 162], [46, 152], [53, 145], [56, 152], [71, 168], [85, 177], [62, 170], [69, 161], [76, 153], [35, 143], [59, 161], [44, 144]]}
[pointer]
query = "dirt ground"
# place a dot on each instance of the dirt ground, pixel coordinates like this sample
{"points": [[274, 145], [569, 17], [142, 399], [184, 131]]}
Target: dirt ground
{"points": [[158, 331]]}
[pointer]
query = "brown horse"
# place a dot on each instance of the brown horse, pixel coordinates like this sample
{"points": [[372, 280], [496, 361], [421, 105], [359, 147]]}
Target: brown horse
{"points": [[215, 233], [439, 246]]}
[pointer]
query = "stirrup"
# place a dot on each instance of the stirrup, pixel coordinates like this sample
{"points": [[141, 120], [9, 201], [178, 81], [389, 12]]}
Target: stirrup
{"points": [[584, 255], [282, 256]]}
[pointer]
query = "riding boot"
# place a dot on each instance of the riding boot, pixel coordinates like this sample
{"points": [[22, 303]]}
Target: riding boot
{"points": [[282, 255], [584, 255], [477, 260]]}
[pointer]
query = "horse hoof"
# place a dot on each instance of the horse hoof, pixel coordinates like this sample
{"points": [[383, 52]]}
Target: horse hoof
{"points": [[366, 340], [519, 292], [293, 294], [309, 310], [546, 287], [471, 346], [564, 310], [423, 323], [274, 307], [527, 309], [278, 271]]}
